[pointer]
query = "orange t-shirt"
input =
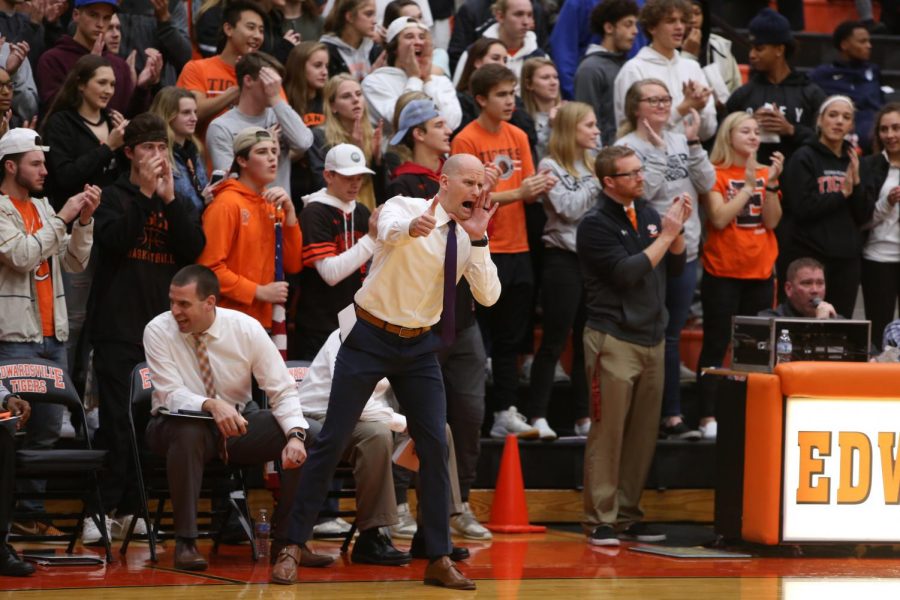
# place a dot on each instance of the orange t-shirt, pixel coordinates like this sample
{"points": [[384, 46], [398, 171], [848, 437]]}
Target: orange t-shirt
{"points": [[43, 283], [211, 76], [508, 149], [744, 249]]}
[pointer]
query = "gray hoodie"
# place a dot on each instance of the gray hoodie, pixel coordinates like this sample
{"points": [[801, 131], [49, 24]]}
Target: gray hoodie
{"points": [[668, 173], [569, 200], [594, 81], [356, 59]]}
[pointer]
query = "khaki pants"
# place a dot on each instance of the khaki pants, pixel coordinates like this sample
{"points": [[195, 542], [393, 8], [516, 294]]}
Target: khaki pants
{"points": [[369, 451], [622, 439]]}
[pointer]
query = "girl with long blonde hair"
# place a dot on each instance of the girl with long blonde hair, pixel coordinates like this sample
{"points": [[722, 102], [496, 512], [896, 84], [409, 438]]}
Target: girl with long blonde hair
{"points": [[347, 122], [573, 140]]}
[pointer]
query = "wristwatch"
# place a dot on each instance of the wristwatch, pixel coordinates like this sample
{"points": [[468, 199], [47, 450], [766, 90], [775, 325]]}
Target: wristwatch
{"points": [[299, 434], [481, 243], [773, 188], [4, 404]]}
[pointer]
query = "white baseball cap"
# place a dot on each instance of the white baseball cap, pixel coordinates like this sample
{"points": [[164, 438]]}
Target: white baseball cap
{"points": [[20, 140], [347, 160], [398, 25]]}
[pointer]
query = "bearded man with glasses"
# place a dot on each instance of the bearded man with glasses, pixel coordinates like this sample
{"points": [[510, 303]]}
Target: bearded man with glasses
{"points": [[626, 253]]}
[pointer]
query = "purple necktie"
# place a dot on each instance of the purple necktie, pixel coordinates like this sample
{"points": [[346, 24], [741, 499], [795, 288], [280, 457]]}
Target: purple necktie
{"points": [[448, 316]]}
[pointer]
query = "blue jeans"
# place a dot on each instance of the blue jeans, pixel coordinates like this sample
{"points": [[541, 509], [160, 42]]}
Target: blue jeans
{"points": [[679, 295], [42, 430]]}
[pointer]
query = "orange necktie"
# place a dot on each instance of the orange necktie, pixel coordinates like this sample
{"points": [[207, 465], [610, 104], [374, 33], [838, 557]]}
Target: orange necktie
{"points": [[632, 216]]}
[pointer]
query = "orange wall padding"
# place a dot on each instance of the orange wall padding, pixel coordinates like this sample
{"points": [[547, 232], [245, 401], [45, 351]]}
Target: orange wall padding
{"points": [[827, 379], [762, 459]]}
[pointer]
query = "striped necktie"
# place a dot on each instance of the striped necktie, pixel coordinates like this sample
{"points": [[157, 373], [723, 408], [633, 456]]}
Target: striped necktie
{"points": [[203, 362]]}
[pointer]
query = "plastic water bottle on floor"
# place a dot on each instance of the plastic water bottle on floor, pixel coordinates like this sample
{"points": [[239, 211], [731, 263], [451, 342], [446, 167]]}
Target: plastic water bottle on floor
{"points": [[262, 530], [784, 348]]}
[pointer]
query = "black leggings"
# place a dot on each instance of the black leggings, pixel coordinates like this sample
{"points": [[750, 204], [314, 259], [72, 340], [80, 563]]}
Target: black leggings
{"points": [[723, 298], [881, 293]]}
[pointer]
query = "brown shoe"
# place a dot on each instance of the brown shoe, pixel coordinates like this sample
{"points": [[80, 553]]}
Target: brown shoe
{"points": [[285, 569], [308, 558], [187, 558], [443, 573]]}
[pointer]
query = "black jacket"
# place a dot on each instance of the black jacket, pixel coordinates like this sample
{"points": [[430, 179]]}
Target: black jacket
{"points": [[471, 17], [873, 170], [821, 219], [625, 295], [797, 96], [75, 157], [142, 242]]}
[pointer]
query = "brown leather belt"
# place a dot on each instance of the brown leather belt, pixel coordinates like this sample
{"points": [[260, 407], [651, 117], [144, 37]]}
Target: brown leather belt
{"points": [[404, 332]]}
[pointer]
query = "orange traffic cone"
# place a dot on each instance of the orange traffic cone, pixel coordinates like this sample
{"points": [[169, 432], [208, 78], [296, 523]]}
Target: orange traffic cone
{"points": [[509, 513]]}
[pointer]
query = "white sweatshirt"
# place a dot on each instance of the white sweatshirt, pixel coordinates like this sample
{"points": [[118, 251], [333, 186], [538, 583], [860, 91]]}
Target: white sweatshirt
{"points": [[648, 63]]}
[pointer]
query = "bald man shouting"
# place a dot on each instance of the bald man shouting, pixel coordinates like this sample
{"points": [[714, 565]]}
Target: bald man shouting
{"points": [[419, 258]]}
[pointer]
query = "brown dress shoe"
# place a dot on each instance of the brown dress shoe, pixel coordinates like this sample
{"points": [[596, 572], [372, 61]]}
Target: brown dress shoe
{"points": [[308, 558], [443, 573], [285, 569], [187, 558]]}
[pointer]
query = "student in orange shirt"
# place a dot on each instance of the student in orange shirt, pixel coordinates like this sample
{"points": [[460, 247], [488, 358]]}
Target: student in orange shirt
{"points": [[240, 229], [213, 80], [742, 210], [491, 138]]}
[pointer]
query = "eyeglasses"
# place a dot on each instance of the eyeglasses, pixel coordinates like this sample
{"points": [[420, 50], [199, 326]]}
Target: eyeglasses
{"points": [[636, 174], [6, 86], [657, 101]]}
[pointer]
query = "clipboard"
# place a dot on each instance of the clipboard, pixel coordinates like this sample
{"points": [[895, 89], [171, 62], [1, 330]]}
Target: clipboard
{"points": [[185, 413], [405, 455], [9, 421]]}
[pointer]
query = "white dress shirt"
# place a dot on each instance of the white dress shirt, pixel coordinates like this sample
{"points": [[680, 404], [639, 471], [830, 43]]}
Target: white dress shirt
{"points": [[405, 285], [237, 346], [315, 389]]}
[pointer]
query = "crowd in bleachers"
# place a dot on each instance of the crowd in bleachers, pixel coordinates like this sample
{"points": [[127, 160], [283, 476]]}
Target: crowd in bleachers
{"points": [[178, 132]]}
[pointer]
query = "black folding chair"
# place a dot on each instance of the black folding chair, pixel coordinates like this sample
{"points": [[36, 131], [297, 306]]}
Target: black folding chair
{"points": [[344, 471], [71, 473], [220, 481]]}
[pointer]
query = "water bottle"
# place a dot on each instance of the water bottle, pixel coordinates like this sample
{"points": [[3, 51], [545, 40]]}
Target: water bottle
{"points": [[262, 530], [783, 348]]}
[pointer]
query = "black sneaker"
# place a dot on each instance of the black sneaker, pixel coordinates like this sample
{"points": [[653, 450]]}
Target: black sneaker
{"points": [[603, 535], [642, 532], [679, 431]]}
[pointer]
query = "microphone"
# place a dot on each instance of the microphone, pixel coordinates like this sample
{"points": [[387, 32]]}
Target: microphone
{"points": [[816, 302]]}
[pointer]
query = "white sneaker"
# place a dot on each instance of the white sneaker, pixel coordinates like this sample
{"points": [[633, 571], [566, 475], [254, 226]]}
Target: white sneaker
{"points": [[512, 421], [582, 429], [546, 434], [120, 525], [560, 375], [331, 528], [709, 431], [466, 525], [406, 527], [90, 533]]}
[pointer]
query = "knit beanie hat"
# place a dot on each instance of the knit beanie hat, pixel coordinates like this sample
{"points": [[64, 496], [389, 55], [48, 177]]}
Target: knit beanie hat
{"points": [[770, 27]]}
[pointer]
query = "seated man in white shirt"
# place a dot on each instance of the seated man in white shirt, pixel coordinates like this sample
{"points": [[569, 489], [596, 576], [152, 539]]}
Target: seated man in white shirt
{"points": [[201, 358], [369, 451]]}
